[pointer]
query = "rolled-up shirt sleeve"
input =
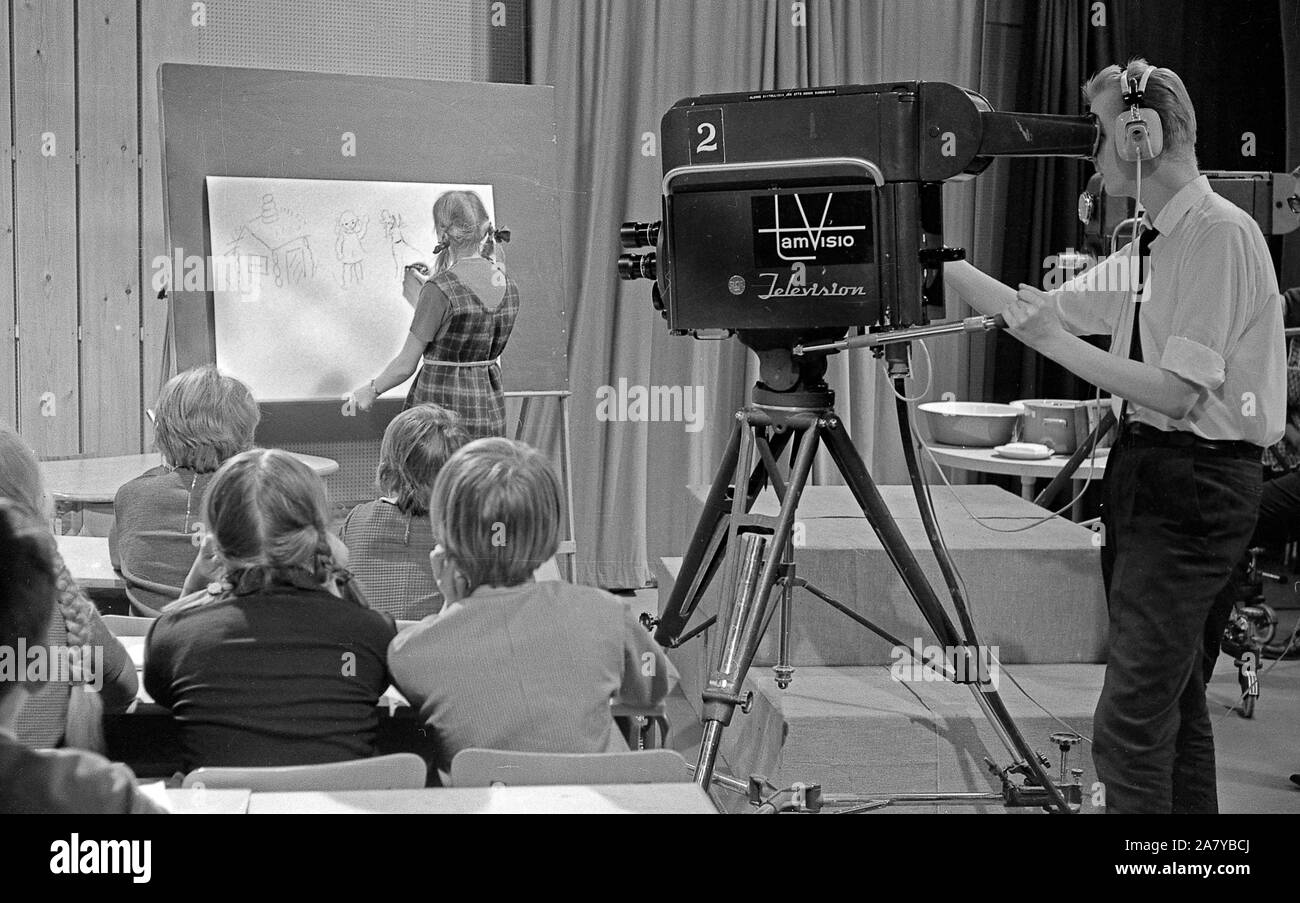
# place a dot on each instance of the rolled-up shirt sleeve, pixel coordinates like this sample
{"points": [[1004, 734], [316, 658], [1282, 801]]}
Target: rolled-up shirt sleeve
{"points": [[1091, 303], [1213, 282]]}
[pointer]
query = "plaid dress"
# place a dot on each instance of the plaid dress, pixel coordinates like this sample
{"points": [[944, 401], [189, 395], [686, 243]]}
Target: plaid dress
{"points": [[470, 331]]}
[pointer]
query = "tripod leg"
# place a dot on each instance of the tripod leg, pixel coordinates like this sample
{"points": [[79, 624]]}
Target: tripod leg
{"points": [[752, 565], [878, 515], [708, 542], [685, 595]]}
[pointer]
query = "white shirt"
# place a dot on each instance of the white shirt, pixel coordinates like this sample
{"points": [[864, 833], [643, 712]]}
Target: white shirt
{"points": [[1211, 314]]}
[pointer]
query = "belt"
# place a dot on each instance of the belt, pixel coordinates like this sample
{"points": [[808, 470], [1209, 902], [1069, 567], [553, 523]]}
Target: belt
{"points": [[434, 363], [1143, 435]]}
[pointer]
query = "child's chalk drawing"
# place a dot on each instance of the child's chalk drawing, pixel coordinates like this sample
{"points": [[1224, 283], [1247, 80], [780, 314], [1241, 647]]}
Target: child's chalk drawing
{"points": [[348, 248]]}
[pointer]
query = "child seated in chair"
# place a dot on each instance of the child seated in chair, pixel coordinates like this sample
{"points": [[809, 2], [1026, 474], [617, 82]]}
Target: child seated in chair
{"points": [[279, 661], [389, 539], [69, 707], [202, 419], [44, 782], [511, 663]]}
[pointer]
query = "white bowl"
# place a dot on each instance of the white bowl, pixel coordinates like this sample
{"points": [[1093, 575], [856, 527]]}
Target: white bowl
{"points": [[971, 424]]}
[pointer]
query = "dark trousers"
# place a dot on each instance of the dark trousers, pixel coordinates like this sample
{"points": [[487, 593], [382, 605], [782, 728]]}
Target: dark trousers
{"points": [[1177, 519]]}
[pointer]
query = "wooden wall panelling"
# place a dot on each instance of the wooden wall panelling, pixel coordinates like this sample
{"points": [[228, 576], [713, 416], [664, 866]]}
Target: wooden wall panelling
{"points": [[109, 225], [8, 349], [169, 33], [45, 225]]}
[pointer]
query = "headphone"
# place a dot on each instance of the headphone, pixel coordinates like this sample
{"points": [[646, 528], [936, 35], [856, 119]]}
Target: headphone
{"points": [[1138, 134]]}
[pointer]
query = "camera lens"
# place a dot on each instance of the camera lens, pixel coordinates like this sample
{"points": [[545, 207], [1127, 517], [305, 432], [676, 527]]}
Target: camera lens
{"points": [[639, 235], [637, 266]]}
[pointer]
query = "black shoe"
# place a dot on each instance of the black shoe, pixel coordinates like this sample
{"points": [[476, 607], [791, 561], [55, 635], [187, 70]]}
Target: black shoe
{"points": [[1295, 779]]}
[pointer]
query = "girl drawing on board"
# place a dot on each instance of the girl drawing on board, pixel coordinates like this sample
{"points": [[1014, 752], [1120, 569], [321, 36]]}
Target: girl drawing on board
{"points": [[463, 319]]}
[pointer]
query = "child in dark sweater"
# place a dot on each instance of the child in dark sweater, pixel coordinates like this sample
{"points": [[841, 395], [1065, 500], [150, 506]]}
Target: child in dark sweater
{"points": [[279, 661]]}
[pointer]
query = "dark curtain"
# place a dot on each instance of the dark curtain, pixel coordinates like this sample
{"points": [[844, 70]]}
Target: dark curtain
{"points": [[1060, 48], [1230, 56], [617, 67]]}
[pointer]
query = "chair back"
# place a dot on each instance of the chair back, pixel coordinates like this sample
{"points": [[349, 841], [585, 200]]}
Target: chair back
{"points": [[399, 771], [549, 570], [489, 767], [127, 625]]}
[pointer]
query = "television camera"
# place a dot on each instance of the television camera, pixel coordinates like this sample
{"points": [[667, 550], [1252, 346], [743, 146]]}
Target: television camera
{"points": [[790, 218]]}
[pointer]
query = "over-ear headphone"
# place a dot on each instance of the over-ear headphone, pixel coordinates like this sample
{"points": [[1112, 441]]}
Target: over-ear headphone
{"points": [[1138, 134]]}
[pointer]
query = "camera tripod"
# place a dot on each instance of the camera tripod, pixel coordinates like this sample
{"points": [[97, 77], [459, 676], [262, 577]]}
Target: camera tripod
{"points": [[756, 553]]}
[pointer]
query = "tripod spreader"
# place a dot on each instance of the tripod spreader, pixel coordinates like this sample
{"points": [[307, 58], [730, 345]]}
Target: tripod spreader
{"points": [[876, 339]]}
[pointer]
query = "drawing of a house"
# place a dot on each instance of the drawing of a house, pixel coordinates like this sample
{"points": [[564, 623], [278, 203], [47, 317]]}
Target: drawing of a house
{"points": [[276, 242]]}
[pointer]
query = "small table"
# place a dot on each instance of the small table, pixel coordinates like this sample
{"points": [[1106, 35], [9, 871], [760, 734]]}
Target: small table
{"points": [[88, 561], [95, 481], [984, 460], [609, 799]]}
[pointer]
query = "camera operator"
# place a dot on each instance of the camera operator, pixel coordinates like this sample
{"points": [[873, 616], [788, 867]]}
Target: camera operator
{"points": [[1203, 380]]}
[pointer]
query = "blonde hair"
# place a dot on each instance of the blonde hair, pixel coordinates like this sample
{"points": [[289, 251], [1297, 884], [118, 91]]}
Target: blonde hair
{"points": [[463, 227], [20, 476], [495, 510], [1165, 93], [204, 417], [417, 443], [268, 513]]}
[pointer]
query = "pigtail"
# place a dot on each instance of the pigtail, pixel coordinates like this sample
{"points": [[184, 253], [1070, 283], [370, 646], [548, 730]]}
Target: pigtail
{"points": [[322, 559], [327, 571]]}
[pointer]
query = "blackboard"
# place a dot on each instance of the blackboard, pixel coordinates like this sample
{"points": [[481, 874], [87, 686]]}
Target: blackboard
{"points": [[282, 124]]}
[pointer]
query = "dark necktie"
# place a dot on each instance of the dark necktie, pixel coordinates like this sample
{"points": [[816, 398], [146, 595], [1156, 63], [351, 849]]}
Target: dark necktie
{"points": [[1144, 254], [1135, 333]]}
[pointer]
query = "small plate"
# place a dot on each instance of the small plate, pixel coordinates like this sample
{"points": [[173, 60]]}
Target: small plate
{"points": [[1023, 451]]}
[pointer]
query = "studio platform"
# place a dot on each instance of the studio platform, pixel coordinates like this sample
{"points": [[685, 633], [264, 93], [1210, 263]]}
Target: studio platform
{"points": [[847, 724]]}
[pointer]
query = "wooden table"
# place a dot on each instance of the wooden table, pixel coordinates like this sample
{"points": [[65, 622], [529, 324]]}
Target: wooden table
{"points": [[88, 562], [984, 460], [610, 799], [95, 481]]}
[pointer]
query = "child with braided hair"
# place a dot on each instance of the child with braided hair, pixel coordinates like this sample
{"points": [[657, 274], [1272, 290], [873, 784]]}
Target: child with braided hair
{"points": [[463, 319], [279, 661]]}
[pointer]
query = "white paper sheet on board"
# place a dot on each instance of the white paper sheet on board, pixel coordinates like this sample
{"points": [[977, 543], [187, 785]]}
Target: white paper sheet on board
{"points": [[307, 278]]}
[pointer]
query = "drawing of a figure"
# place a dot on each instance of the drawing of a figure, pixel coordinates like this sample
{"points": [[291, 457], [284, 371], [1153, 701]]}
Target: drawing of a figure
{"points": [[350, 232], [402, 250]]}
